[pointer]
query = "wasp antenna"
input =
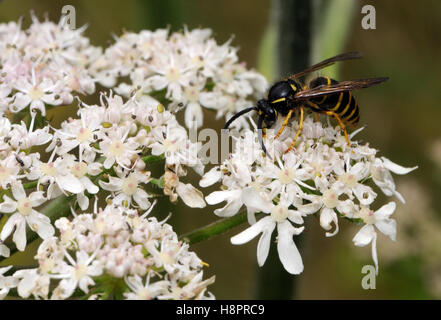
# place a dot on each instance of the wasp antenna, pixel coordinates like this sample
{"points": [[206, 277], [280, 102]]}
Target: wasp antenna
{"points": [[237, 115], [350, 55], [259, 129]]}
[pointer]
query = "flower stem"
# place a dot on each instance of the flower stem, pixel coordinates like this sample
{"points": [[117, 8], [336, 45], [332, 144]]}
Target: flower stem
{"points": [[214, 229]]}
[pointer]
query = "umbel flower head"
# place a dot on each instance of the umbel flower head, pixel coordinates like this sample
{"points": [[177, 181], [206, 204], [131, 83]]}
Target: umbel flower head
{"points": [[44, 65], [189, 69], [321, 176], [114, 244]]}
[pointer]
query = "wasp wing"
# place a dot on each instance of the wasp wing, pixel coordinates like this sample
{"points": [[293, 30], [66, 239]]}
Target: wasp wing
{"points": [[327, 63], [350, 85]]}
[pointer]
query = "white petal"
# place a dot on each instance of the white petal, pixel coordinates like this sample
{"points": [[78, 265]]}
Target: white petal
{"points": [[264, 244], [191, 196], [26, 285], [142, 199], [19, 236], [251, 216], [83, 201], [114, 184], [109, 162], [95, 269], [41, 223], [231, 208], [252, 231], [399, 196], [219, 196], [295, 216], [211, 177], [84, 283], [385, 211], [328, 216], [395, 168], [310, 208], [388, 227], [4, 251], [18, 191], [37, 198], [288, 253], [21, 101], [374, 251], [10, 225], [69, 183], [8, 205], [251, 198], [364, 194], [90, 187], [364, 236], [68, 287], [193, 113]]}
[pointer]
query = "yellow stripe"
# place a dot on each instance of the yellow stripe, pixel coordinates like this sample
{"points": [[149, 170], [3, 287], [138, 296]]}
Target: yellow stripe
{"points": [[347, 106], [278, 100], [328, 80], [323, 100], [293, 87], [338, 103], [353, 111]]}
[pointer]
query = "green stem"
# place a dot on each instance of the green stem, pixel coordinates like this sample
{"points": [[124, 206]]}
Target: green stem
{"points": [[214, 229], [293, 19], [30, 185]]}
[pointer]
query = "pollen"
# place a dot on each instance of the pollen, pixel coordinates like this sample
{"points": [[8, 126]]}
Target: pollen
{"points": [[286, 175], [84, 135], [192, 93], [279, 213], [49, 169], [80, 271], [172, 75], [144, 294], [24, 206], [117, 148], [348, 179], [35, 93], [367, 215], [79, 170], [330, 199], [167, 258]]}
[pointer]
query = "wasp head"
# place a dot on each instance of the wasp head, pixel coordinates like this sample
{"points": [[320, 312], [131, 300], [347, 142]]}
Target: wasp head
{"points": [[266, 112]]}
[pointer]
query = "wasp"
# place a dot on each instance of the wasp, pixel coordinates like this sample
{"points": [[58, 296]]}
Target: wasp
{"points": [[321, 95]]}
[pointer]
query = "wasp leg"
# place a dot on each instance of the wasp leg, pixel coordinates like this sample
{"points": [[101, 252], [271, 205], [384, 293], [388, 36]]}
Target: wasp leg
{"points": [[316, 117], [298, 131], [285, 122], [340, 123]]}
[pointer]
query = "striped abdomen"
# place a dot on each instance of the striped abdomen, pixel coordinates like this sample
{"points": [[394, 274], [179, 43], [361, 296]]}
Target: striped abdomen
{"points": [[342, 103]]}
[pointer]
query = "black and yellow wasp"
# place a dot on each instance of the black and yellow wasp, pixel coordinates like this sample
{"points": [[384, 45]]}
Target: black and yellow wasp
{"points": [[321, 95]]}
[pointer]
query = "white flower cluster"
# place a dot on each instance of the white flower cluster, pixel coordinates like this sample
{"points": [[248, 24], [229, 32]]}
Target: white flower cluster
{"points": [[188, 68], [143, 256], [45, 65], [104, 154], [109, 145], [321, 176]]}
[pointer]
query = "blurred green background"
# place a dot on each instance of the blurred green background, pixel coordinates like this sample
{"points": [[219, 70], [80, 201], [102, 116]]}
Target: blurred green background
{"points": [[402, 118]]}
